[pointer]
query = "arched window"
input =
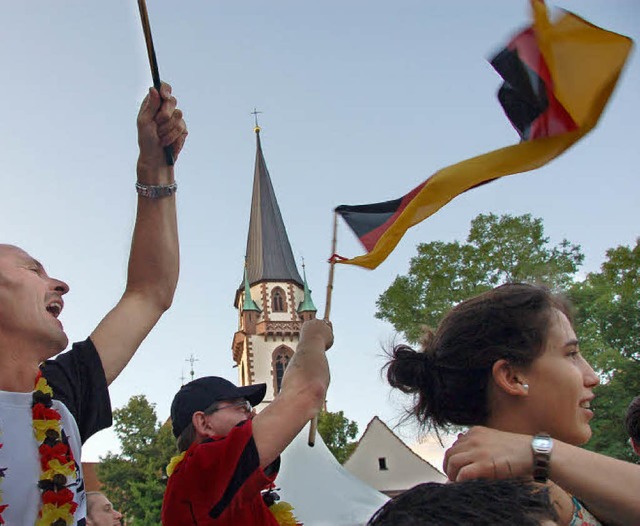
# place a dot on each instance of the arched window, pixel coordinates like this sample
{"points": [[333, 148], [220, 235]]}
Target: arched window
{"points": [[281, 357], [278, 302]]}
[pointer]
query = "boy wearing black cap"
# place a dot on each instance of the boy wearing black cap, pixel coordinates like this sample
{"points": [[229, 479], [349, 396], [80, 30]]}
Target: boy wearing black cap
{"points": [[230, 454]]}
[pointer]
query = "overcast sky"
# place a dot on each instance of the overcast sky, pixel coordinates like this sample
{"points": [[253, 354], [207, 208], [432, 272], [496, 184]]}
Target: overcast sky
{"points": [[361, 101]]}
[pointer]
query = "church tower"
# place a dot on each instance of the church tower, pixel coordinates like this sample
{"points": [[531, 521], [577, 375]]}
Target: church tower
{"points": [[273, 300]]}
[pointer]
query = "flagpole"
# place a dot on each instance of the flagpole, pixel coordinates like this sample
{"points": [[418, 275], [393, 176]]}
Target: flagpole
{"points": [[327, 311], [332, 264], [153, 63]]}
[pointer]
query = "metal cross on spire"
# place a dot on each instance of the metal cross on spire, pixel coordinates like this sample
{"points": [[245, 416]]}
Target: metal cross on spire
{"points": [[192, 359], [255, 118]]}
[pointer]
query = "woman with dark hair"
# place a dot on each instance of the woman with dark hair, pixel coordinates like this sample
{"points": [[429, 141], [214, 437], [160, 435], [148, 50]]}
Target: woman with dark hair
{"points": [[507, 364]]}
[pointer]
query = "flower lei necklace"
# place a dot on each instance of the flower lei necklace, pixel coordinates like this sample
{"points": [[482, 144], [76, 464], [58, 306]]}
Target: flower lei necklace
{"points": [[282, 511], [57, 464]]}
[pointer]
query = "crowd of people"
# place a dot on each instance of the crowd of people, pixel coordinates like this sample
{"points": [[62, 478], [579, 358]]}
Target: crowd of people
{"points": [[505, 365]]}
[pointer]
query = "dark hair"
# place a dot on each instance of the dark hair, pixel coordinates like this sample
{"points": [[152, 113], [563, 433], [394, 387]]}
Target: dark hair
{"points": [[478, 502], [450, 375], [186, 438], [188, 435], [632, 420]]}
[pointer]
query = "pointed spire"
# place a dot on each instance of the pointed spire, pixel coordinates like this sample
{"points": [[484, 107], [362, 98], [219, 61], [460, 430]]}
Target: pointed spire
{"points": [[248, 303], [269, 254], [307, 303]]}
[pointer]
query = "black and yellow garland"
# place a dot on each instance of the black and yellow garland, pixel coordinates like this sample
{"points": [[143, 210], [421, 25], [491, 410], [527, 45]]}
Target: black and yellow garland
{"points": [[57, 465]]}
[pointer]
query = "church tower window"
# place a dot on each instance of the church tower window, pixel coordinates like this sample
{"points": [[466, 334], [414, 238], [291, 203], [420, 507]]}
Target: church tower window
{"points": [[281, 357], [278, 302]]}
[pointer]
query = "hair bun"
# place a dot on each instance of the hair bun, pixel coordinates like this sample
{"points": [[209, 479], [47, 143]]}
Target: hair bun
{"points": [[407, 369]]}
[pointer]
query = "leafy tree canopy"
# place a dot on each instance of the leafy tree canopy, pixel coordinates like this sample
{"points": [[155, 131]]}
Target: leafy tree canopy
{"points": [[608, 310], [497, 250], [608, 326], [338, 433], [135, 480]]}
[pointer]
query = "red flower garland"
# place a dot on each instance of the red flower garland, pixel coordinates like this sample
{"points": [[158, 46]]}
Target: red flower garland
{"points": [[56, 460], [57, 464]]}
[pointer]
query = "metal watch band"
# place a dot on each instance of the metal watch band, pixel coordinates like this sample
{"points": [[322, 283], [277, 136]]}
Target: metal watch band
{"points": [[156, 191], [542, 445], [540, 468]]}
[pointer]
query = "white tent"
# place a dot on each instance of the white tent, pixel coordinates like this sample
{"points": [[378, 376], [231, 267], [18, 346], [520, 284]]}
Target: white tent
{"points": [[321, 491]]}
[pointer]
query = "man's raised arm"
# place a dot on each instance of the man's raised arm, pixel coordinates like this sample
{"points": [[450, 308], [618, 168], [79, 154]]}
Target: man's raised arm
{"points": [[302, 395], [154, 259]]}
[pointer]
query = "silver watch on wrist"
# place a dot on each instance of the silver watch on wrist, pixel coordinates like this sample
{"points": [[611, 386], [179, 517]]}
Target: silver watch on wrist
{"points": [[156, 191], [542, 445]]}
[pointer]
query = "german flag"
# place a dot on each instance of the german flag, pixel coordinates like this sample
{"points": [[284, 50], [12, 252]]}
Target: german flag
{"points": [[558, 77]]}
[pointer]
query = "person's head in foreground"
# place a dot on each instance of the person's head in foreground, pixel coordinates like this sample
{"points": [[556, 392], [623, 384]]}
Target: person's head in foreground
{"points": [[100, 511], [632, 423], [506, 359], [473, 503], [211, 406], [30, 303]]}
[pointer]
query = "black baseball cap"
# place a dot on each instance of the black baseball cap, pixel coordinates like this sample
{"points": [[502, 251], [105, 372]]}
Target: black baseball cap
{"points": [[199, 394]]}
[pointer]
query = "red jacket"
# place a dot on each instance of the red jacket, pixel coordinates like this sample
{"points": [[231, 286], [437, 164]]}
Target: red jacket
{"points": [[219, 483]]}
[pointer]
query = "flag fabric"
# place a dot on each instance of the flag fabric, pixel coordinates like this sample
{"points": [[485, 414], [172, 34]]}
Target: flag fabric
{"points": [[558, 77]]}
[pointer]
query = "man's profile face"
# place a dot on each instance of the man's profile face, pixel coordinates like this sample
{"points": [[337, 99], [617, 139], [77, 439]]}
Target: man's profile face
{"points": [[101, 512], [228, 414], [30, 302]]}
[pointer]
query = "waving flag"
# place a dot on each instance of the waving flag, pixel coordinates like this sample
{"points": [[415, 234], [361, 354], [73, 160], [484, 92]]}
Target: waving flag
{"points": [[558, 77]]}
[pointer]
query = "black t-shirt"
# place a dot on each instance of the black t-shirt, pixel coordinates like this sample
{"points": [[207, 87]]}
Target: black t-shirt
{"points": [[77, 379], [81, 398]]}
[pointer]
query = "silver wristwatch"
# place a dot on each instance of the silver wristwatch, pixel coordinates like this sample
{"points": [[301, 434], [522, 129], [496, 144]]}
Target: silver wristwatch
{"points": [[542, 445], [156, 191]]}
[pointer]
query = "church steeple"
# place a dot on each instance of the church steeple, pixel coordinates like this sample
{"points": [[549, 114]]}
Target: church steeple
{"points": [[306, 309], [269, 254], [273, 301]]}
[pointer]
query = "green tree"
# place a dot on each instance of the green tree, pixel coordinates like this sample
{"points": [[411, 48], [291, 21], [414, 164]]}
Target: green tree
{"points": [[338, 433], [135, 479], [608, 325], [497, 250]]}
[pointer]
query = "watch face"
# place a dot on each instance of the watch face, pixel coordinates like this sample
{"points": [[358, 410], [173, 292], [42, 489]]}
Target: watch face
{"points": [[542, 444]]}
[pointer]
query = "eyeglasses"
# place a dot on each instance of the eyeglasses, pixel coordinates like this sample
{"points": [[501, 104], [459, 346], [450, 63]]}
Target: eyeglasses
{"points": [[244, 404]]}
